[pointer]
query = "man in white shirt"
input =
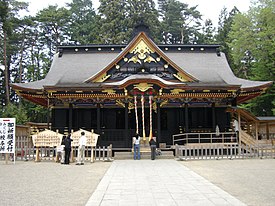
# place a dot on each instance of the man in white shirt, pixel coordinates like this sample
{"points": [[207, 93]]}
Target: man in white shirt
{"points": [[236, 129], [81, 149]]}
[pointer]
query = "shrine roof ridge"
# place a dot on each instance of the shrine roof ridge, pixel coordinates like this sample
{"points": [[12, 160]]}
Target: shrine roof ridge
{"points": [[120, 47]]}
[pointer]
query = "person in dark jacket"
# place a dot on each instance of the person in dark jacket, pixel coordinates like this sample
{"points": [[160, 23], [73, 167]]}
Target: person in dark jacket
{"points": [[153, 146], [68, 148]]}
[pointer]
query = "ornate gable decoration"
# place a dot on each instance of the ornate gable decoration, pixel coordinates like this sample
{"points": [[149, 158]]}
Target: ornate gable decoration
{"points": [[142, 52], [142, 56]]}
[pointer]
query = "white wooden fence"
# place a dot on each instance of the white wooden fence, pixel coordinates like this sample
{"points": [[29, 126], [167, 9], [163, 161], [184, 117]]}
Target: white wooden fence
{"points": [[223, 151], [24, 150]]}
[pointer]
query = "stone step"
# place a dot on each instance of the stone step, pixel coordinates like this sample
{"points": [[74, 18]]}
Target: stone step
{"points": [[143, 155]]}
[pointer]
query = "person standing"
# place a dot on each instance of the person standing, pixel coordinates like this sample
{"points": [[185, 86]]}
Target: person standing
{"points": [[153, 145], [136, 142], [68, 148], [236, 129], [81, 149], [63, 150]]}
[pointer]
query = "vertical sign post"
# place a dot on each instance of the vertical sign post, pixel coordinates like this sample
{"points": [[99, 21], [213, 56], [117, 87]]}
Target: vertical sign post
{"points": [[7, 136]]}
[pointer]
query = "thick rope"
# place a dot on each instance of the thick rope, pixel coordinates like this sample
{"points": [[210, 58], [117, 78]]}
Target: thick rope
{"points": [[135, 99], [143, 122], [151, 123]]}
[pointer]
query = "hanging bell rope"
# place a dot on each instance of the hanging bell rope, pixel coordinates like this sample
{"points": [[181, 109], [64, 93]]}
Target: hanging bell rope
{"points": [[135, 99], [151, 123], [143, 122]]}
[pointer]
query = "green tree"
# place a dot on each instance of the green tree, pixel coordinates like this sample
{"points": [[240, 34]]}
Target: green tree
{"points": [[9, 18], [113, 24], [53, 23], [242, 44], [181, 24], [224, 27], [119, 17], [143, 11], [83, 27], [252, 46], [207, 35], [13, 111]]}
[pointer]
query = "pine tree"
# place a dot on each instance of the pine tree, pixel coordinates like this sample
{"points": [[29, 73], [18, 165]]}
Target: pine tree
{"points": [[181, 24], [83, 27]]}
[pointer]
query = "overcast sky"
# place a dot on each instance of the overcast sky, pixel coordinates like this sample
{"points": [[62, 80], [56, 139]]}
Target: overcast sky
{"points": [[209, 8]]}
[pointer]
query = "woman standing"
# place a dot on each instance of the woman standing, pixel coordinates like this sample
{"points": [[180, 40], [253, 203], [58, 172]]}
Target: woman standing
{"points": [[136, 142]]}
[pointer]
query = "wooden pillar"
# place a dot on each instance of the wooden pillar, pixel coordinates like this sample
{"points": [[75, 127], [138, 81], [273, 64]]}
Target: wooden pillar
{"points": [[267, 131], [186, 118], [92, 154], [98, 118], [248, 127], [257, 130], [240, 132], [77, 117], [213, 117], [239, 121], [158, 122], [48, 114], [70, 117], [127, 138]]}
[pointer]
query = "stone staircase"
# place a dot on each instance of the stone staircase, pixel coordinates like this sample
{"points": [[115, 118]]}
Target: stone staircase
{"points": [[143, 155]]}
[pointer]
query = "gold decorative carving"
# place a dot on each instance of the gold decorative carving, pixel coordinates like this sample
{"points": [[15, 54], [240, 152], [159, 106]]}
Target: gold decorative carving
{"points": [[160, 91], [119, 102], [135, 60], [141, 51], [131, 106], [177, 91], [143, 86], [154, 106], [109, 91], [180, 77], [102, 78], [164, 102], [149, 59]]}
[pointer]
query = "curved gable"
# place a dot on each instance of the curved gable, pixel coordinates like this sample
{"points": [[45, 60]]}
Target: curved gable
{"points": [[142, 56]]}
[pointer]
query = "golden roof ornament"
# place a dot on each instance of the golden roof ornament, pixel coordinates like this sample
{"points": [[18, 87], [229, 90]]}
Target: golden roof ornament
{"points": [[141, 51], [143, 87]]}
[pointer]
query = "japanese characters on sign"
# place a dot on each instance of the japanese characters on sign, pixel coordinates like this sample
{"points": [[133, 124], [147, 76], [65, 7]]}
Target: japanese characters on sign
{"points": [[7, 135]]}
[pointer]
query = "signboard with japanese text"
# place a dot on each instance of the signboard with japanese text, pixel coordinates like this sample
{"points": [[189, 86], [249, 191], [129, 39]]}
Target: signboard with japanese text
{"points": [[7, 135]]}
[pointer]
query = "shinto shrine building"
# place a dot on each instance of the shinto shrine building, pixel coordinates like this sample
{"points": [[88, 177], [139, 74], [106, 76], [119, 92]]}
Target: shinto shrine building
{"points": [[158, 90]]}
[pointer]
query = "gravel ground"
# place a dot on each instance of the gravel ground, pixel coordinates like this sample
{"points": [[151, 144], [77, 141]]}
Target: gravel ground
{"points": [[251, 180], [48, 183]]}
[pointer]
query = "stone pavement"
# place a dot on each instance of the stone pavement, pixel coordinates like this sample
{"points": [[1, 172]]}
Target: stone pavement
{"points": [[249, 180], [156, 183]]}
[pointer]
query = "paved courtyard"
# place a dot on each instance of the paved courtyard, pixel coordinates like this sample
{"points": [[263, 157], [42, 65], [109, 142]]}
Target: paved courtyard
{"points": [[46, 183], [250, 180]]}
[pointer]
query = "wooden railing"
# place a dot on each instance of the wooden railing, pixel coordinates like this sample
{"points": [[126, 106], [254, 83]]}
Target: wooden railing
{"points": [[207, 151], [223, 151], [24, 150], [190, 138]]}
